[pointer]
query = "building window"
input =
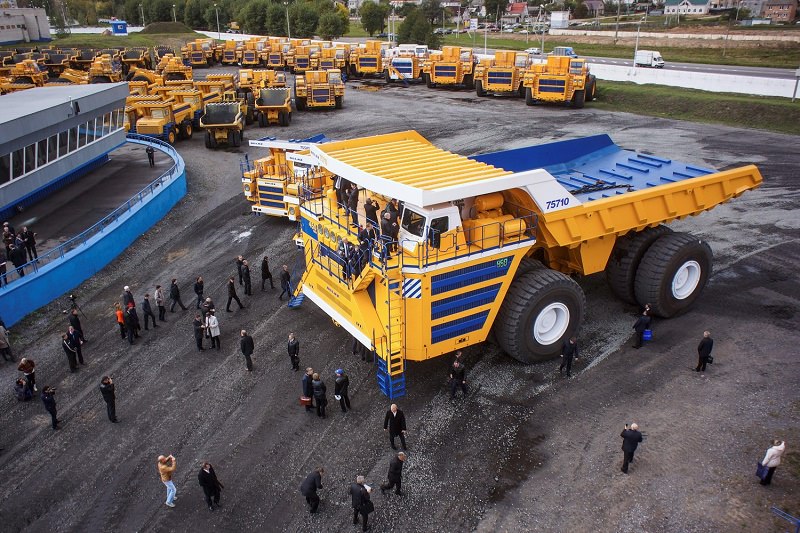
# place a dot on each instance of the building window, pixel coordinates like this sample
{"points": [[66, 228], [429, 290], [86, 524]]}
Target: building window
{"points": [[5, 168], [52, 148], [63, 143], [17, 167], [73, 139], [41, 153], [30, 158]]}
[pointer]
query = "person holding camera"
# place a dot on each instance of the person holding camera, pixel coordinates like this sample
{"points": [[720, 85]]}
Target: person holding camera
{"points": [[166, 469], [631, 437], [110, 397], [49, 401]]}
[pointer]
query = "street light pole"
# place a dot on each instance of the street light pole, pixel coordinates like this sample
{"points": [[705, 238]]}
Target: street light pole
{"points": [[636, 48], [288, 30], [616, 30], [174, 17], [216, 10], [141, 8]]}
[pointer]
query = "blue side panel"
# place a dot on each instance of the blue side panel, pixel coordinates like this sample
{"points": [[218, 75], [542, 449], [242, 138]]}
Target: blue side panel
{"points": [[307, 229], [456, 328], [464, 302], [545, 155], [470, 275]]}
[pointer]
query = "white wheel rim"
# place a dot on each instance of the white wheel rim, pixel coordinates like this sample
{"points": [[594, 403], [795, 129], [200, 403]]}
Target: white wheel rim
{"points": [[686, 280], [551, 323]]}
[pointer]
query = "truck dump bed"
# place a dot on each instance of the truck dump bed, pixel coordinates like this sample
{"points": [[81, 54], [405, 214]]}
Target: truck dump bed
{"points": [[220, 113], [272, 97]]}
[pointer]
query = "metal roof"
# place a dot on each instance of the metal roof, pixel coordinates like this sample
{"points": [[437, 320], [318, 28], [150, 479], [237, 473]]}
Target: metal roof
{"points": [[22, 104], [408, 167]]}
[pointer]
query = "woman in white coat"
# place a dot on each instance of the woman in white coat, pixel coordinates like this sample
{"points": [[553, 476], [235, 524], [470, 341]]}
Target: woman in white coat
{"points": [[212, 327], [772, 459]]}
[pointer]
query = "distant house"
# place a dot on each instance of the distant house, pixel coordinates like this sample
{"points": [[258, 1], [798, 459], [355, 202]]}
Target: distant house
{"points": [[596, 7], [686, 7], [755, 7], [516, 13], [780, 10]]}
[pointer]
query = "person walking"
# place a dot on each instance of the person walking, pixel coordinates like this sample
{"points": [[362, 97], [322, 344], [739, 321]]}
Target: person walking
{"points": [[248, 287], [395, 474], [198, 290], [293, 347], [49, 400], [212, 329], [308, 387], [76, 342], [320, 394], [458, 379], [266, 274], [642, 323], [5, 345], [162, 309], [148, 312], [232, 295], [311, 484], [110, 397], [120, 320], [286, 286], [75, 322], [166, 469], [569, 351], [772, 459], [212, 487], [239, 260], [362, 505], [395, 424], [198, 327], [151, 156], [248, 347], [631, 437], [175, 296], [341, 385], [132, 326], [704, 351], [72, 354], [28, 369]]}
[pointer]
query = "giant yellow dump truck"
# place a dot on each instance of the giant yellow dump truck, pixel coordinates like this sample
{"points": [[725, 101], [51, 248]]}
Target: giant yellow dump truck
{"points": [[502, 74], [489, 243], [369, 59], [319, 88], [453, 67], [562, 79]]}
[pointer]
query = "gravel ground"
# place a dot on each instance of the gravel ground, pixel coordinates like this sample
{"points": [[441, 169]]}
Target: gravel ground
{"points": [[528, 450]]}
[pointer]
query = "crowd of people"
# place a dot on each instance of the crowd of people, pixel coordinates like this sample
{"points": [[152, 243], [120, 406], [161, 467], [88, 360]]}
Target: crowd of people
{"points": [[20, 248]]}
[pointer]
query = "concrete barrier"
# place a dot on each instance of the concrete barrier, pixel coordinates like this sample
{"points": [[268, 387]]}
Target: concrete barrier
{"points": [[704, 81], [733, 36], [98, 246]]}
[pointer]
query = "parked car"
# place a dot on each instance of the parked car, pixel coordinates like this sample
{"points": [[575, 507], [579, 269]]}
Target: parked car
{"points": [[534, 51]]}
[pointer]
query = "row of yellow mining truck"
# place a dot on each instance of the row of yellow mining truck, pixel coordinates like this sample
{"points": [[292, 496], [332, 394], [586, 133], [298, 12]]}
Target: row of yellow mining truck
{"points": [[488, 246]]}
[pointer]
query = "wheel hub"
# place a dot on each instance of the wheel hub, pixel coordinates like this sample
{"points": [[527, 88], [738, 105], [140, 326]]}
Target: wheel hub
{"points": [[686, 280], [551, 323]]}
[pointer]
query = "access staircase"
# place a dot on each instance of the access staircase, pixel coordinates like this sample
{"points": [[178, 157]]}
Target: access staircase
{"points": [[390, 365]]}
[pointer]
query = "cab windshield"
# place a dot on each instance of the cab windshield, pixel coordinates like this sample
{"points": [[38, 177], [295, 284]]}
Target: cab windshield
{"points": [[413, 222]]}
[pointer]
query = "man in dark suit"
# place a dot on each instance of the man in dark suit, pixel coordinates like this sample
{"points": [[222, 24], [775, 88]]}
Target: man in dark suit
{"points": [[69, 349], [568, 352], [211, 485], [308, 387], [631, 437], [248, 347], [293, 347], [352, 204], [198, 327], [75, 340], [232, 295], [371, 209], [147, 310], [395, 424], [362, 505], [309, 487], [110, 397], [395, 474], [248, 287], [642, 323], [75, 322], [286, 279], [175, 296], [704, 351]]}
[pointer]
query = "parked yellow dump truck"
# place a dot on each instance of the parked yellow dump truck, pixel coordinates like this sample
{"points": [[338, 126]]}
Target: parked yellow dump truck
{"points": [[231, 53], [489, 243], [406, 63], [172, 68], [455, 66], [279, 50], [56, 63], [562, 79], [369, 59], [274, 106], [104, 70], [254, 52], [167, 121], [223, 122], [136, 56], [319, 88], [82, 60], [334, 57], [502, 74]]}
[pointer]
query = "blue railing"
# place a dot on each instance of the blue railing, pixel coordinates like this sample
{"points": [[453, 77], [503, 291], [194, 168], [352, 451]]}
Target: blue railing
{"points": [[32, 267]]}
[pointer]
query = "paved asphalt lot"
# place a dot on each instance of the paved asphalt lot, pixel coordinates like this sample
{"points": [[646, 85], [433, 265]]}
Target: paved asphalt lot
{"points": [[527, 451]]}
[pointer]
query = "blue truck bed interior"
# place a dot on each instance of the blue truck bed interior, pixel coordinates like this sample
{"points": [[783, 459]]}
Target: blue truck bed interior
{"points": [[592, 168]]}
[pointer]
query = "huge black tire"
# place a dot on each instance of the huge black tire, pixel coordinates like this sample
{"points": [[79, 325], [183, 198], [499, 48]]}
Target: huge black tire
{"points": [[100, 79], [469, 81], [479, 88], [339, 101], [428, 82], [300, 103], [541, 310], [262, 120], [673, 273], [210, 140], [249, 116], [171, 136], [591, 88], [578, 99], [283, 118], [521, 90], [235, 138], [529, 100], [386, 76], [625, 259], [187, 130]]}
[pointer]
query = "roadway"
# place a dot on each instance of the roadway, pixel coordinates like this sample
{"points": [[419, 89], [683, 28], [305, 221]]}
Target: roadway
{"points": [[759, 72]]}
